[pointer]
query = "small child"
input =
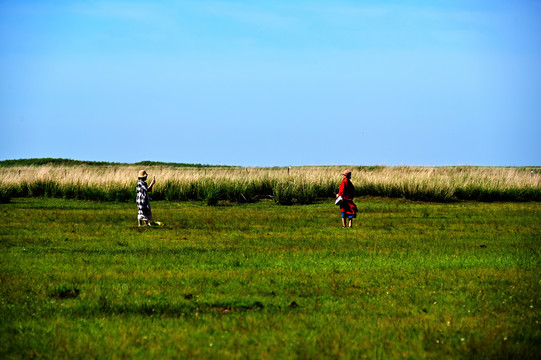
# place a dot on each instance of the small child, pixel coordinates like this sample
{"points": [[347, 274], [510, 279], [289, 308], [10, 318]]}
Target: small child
{"points": [[144, 214]]}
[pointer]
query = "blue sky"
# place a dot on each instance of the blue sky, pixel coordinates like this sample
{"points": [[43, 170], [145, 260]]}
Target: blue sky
{"points": [[272, 83]]}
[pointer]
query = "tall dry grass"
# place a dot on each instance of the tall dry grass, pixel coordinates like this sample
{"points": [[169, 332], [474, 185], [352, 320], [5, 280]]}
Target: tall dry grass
{"points": [[284, 185]]}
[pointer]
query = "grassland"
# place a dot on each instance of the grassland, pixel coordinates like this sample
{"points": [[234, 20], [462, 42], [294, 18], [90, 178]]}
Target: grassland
{"points": [[295, 185], [460, 280]]}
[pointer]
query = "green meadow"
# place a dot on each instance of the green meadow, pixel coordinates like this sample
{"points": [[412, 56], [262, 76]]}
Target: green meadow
{"points": [[458, 280]]}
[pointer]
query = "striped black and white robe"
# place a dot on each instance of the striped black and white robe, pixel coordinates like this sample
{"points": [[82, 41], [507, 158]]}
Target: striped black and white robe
{"points": [[143, 202]]}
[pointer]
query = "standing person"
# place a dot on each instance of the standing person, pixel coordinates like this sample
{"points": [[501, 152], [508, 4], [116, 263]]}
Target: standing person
{"points": [[143, 202], [347, 192]]}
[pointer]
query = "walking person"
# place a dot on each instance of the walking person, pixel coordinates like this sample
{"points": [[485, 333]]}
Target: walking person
{"points": [[347, 206], [144, 215]]}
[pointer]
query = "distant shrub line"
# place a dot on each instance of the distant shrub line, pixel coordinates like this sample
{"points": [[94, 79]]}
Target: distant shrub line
{"points": [[70, 162], [283, 192]]}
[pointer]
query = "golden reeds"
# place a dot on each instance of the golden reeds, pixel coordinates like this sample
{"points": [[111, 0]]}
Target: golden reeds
{"points": [[245, 184]]}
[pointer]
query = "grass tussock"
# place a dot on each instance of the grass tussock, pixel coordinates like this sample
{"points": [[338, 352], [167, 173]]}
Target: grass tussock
{"points": [[298, 185]]}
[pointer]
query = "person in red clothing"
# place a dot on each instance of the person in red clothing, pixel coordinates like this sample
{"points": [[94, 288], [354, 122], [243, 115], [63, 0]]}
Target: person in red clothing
{"points": [[347, 206]]}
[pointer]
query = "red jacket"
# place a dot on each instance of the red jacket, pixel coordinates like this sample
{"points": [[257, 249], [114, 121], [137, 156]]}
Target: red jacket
{"points": [[347, 190]]}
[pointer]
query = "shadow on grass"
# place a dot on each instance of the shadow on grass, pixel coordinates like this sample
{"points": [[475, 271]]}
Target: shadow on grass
{"points": [[191, 307], [125, 249]]}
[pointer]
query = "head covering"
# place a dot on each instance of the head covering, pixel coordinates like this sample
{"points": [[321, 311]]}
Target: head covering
{"points": [[347, 173], [142, 173]]}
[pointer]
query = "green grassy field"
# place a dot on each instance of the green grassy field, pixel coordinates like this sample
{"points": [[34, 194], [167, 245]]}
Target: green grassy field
{"points": [[79, 279]]}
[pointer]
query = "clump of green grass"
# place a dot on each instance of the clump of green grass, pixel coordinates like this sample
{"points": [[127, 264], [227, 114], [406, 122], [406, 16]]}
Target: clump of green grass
{"points": [[4, 196], [283, 193], [65, 292], [294, 191]]}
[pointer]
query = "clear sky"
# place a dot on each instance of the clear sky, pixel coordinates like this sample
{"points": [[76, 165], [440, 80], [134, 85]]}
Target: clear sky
{"points": [[272, 83]]}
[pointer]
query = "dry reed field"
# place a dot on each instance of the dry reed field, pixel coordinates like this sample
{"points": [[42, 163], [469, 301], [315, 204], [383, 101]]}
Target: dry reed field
{"points": [[286, 185]]}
